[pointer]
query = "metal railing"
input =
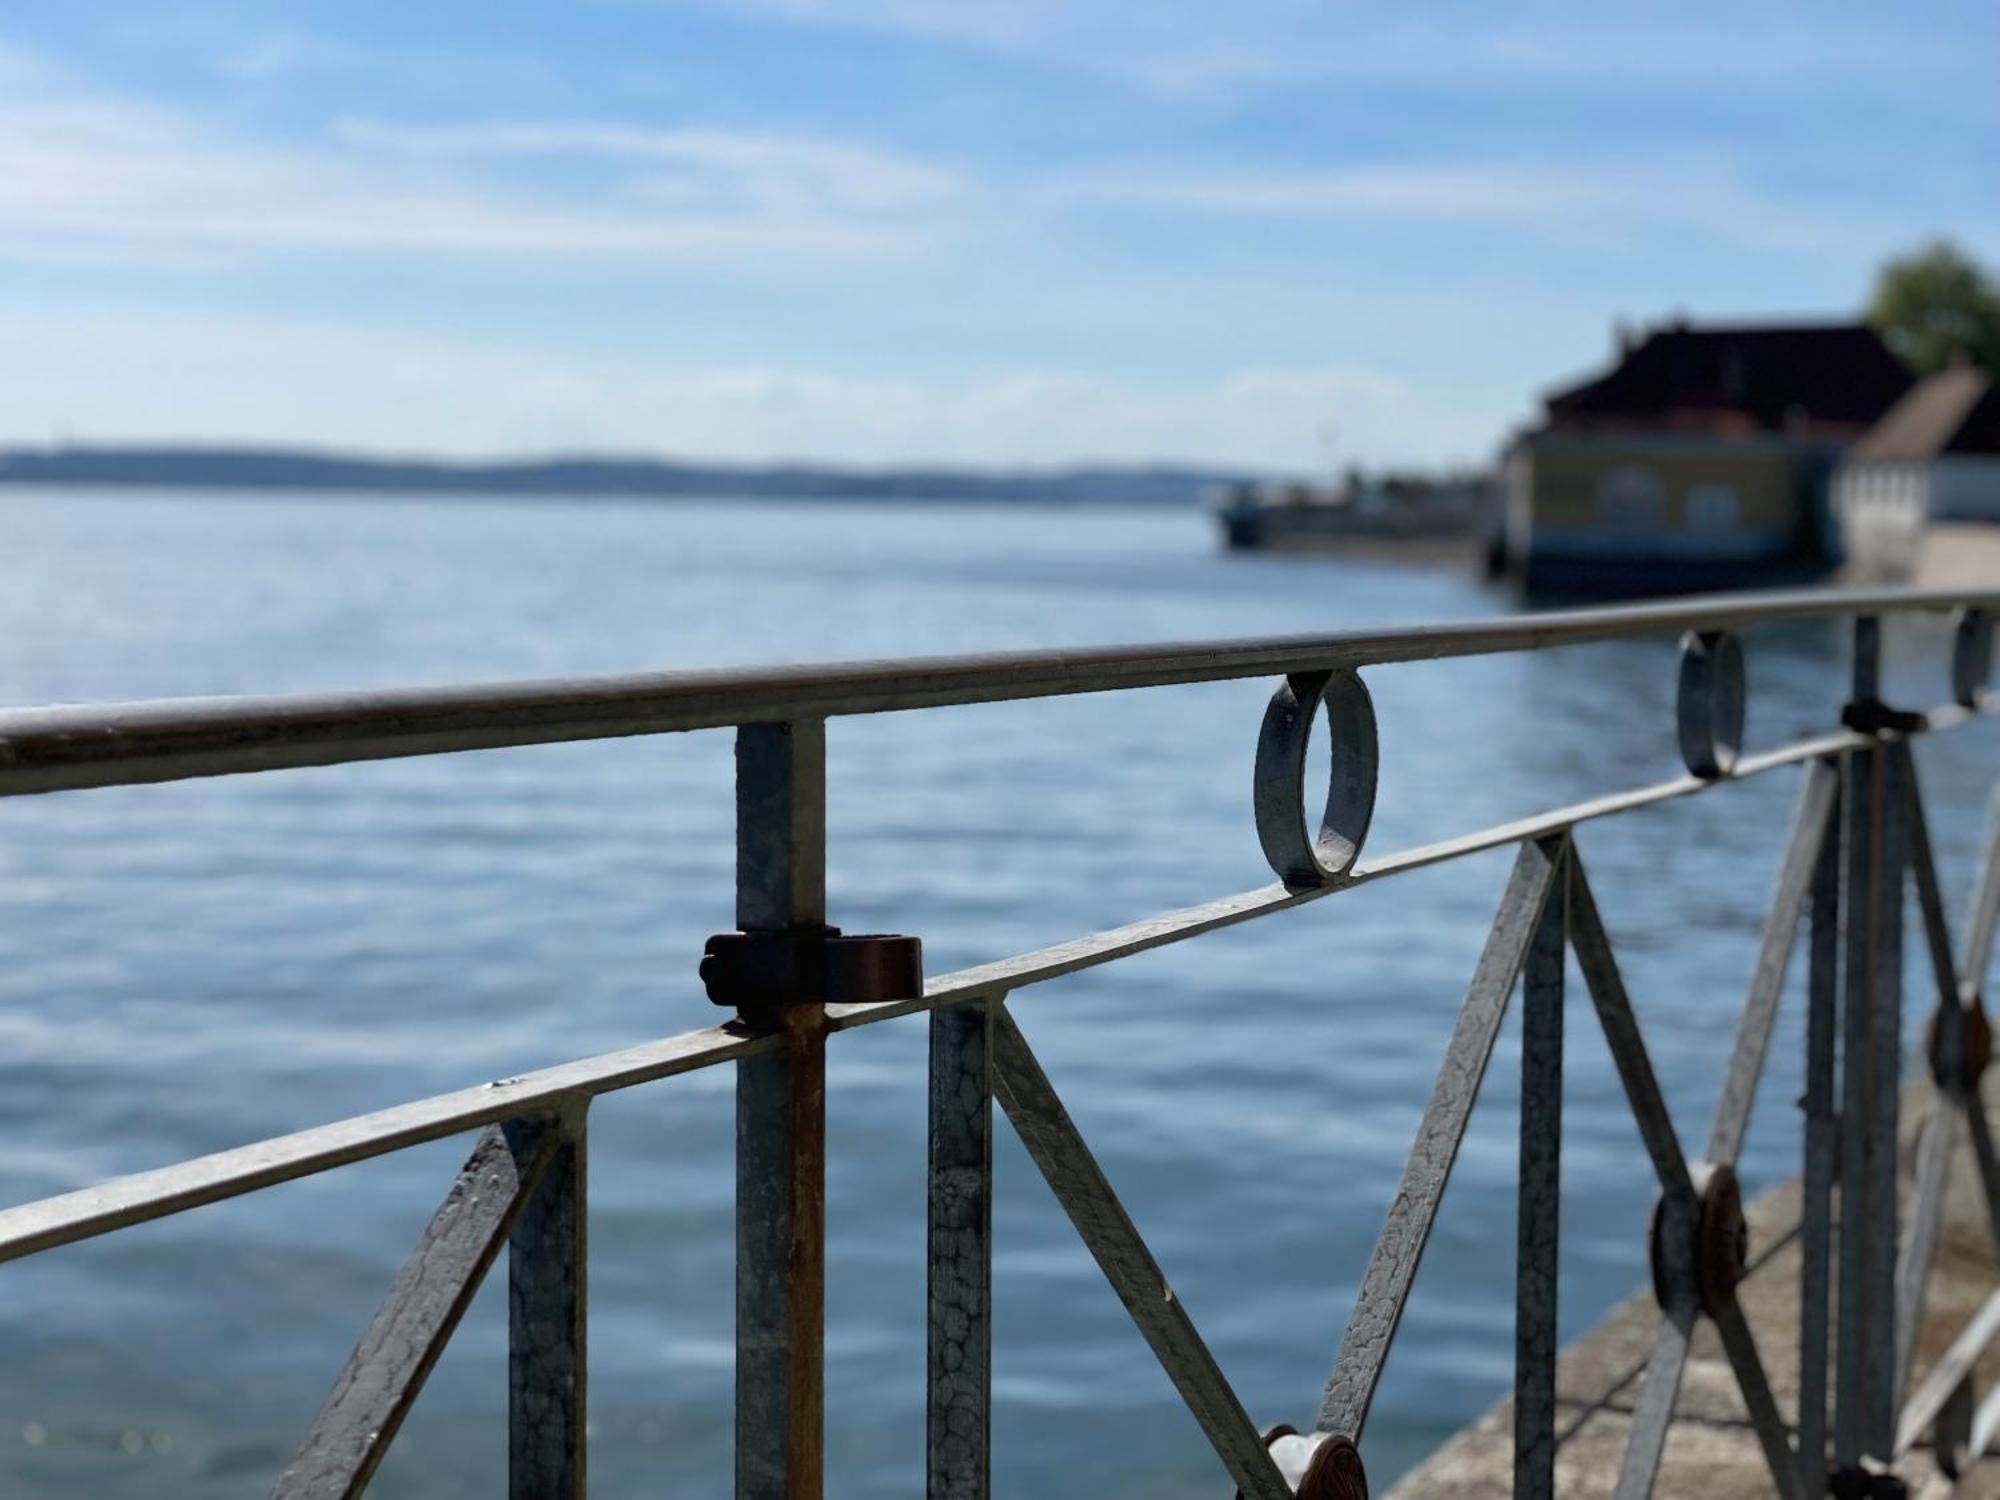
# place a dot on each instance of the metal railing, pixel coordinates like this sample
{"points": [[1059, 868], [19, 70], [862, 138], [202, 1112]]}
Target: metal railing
{"points": [[794, 981]]}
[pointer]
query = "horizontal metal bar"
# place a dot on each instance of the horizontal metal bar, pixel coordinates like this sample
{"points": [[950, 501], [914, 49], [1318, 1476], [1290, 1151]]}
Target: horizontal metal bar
{"points": [[80, 1215], [125, 1201], [1177, 926], [1957, 1362], [49, 749]]}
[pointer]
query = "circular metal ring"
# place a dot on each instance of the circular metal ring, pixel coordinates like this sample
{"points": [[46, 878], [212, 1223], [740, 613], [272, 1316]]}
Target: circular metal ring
{"points": [[1710, 708], [1971, 655], [1279, 793]]}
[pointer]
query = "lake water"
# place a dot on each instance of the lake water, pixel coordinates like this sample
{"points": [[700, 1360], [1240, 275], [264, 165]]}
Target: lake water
{"points": [[189, 967]]}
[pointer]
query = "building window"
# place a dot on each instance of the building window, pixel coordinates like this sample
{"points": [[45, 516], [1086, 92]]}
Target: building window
{"points": [[1711, 509], [1631, 498]]}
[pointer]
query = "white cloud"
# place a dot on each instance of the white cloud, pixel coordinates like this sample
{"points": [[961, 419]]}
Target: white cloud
{"points": [[758, 167], [87, 175], [1447, 191], [184, 378], [1181, 47], [1708, 197]]}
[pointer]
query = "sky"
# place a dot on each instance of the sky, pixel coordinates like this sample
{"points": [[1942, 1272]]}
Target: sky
{"points": [[1279, 234]]}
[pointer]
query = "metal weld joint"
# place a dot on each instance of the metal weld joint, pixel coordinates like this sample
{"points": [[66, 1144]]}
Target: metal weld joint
{"points": [[1318, 1466], [1703, 1246], [762, 975]]}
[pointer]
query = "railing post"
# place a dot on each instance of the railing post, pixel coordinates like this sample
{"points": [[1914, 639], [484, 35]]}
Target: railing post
{"points": [[1874, 827], [961, 1252], [1892, 829], [1821, 1148], [547, 1309], [781, 1126], [1535, 1265]]}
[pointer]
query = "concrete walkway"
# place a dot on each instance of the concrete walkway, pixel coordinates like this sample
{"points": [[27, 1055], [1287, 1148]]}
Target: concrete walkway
{"points": [[1711, 1452], [1958, 554]]}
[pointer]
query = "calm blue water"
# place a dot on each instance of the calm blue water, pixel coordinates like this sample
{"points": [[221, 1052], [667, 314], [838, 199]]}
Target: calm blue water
{"points": [[188, 967]]}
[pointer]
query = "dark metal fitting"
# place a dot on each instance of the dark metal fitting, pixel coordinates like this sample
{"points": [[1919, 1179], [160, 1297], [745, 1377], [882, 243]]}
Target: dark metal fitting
{"points": [[1866, 1484], [1333, 1472], [1871, 716], [1975, 1047], [1719, 1254], [1971, 656], [761, 975]]}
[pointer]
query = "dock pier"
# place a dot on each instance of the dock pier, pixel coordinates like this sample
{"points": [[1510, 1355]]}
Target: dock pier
{"points": [[1711, 1450]]}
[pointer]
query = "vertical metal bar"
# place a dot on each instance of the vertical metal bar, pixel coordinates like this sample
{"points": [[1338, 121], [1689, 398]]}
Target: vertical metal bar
{"points": [[388, 1368], [1935, 1148], [547, 1307], [1741, 1346], [1592, 946], [1985, 1160], [1653, 1409], [1985, 909], [1101, 1222], [1808, 837], [1867, 659], [1821, 1145], [1857, 925], [1892, 822], [781, 1127], [1540, 1196], [1399, 1249], [1940, 1133], [961, 1252]]}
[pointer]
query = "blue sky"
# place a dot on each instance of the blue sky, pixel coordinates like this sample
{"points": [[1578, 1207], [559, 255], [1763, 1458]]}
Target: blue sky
{"points": [[1270, 233]]}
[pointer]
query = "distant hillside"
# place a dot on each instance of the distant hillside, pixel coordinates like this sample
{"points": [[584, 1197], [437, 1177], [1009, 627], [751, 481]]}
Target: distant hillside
{"points": [[276, 469]]}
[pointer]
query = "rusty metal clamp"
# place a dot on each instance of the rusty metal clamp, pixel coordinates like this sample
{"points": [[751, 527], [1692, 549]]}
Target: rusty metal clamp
{"points": [[1871, 716], [761, 975]]}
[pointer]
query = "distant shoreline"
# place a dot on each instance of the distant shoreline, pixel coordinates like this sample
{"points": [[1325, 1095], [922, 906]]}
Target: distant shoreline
{"points": [[586, 477]]}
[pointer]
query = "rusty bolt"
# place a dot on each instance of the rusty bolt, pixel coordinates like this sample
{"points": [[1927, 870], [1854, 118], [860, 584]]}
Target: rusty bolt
{"points": [[1721, 1239], [1975, 1050], [1335, 1472]]}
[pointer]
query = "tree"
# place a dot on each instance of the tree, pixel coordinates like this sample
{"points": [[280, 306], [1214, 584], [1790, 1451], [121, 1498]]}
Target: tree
{"points": [[1935, 304]]}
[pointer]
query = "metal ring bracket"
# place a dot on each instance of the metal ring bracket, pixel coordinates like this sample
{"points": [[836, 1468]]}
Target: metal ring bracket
{"points": [[1710, 708], [1304, 863], [1971, 655]]}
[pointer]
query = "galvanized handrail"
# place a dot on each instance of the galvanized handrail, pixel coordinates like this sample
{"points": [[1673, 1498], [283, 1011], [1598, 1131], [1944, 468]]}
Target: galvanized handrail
{"points": [[49, 749], [794, 981]]}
